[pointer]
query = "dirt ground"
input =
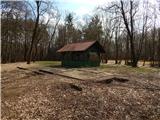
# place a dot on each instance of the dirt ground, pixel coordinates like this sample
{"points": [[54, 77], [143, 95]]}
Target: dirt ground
{"points": [[108, 92]]}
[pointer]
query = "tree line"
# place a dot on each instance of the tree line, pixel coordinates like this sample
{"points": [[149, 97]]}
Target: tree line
{"points": [[128, 30]]}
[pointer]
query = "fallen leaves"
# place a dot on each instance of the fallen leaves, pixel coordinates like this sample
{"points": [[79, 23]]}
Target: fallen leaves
{"points": [[52, 97]]}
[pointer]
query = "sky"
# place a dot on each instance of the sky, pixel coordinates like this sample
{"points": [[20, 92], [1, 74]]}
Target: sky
{"points": [[80, 7]]}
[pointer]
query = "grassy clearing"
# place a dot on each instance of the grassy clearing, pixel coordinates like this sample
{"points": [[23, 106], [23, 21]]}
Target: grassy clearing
{"points": [[128, 69], [106, 67], [48, 63], [110, 67]]}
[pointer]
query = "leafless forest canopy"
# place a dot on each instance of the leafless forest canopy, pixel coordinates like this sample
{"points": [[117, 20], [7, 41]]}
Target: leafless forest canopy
{"points": [[128, 30]]}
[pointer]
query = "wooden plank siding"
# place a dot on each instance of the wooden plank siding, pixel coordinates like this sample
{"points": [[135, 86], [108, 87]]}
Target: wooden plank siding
{"points": [[87, 58]]}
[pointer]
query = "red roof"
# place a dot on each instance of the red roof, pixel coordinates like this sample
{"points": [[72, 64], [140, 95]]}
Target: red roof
{"points": [[81, 46]]}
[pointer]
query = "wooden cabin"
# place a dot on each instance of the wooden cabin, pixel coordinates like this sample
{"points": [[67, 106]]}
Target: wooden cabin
{"points": [[81, 54]]}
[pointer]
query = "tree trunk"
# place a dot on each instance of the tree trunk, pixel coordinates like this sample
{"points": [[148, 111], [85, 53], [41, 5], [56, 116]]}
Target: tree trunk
{"points": [[159, 48], [153, 47], [116, 45], [127, 50], [130, 31], [25, 38], [34, 34]]}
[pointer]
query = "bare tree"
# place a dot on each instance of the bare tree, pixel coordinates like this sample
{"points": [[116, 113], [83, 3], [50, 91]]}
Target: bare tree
{"points": [[38, 4], [130, 31], [12, 30], [127, 11], [153, 41], [158, 48]]}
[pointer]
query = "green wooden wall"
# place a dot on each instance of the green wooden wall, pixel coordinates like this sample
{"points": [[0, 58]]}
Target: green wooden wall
{"points": [[88, 58], [80, 63]]}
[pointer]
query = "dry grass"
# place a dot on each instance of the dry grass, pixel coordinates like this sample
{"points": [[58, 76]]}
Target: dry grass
{"points": [[26, 95], [13, 66]]}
